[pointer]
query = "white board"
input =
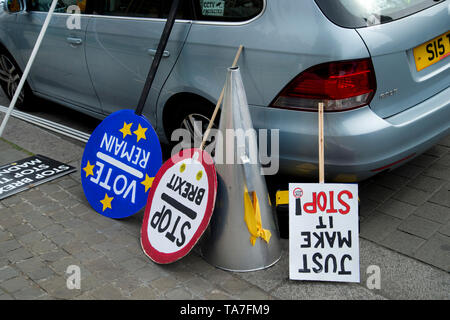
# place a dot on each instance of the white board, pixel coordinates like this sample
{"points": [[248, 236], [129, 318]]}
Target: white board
{"points": [[323, 232]]}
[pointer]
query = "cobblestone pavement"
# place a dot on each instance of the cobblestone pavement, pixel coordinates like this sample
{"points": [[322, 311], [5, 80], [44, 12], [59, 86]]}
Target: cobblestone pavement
{"points": [[405, 231]]}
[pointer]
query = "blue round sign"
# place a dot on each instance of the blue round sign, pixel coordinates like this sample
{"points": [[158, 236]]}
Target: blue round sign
{"points": [[119, 164]]}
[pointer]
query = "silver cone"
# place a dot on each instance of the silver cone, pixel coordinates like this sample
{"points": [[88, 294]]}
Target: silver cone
{"points": [[228, 244]]}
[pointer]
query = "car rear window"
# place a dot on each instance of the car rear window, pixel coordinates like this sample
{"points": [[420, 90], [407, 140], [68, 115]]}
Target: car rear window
{"points": [[364, 13]]}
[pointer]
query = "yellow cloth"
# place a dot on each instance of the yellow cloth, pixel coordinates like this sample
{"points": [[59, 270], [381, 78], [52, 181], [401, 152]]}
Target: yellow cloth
{"points": [[252, 217]]}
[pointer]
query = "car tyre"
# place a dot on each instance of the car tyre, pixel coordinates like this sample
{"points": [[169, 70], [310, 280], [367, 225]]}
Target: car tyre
{"points": [[195, 118], [10, 75]]}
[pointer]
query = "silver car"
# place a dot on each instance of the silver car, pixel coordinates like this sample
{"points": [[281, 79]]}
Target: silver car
{"points": [[381, 68]]}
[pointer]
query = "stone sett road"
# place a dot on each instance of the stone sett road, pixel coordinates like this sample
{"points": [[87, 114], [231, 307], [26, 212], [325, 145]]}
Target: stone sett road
{"points": [[405, 230]]}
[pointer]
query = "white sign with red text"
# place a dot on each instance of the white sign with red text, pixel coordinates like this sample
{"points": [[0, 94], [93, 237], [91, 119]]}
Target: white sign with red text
{"points": [[323, 232]]}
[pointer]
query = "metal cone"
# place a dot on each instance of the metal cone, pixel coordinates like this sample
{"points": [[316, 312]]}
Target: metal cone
{"points": [[239, 238]]}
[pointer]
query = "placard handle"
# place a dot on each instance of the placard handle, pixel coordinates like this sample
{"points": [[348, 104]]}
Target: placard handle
{"points": [[321, 145]]}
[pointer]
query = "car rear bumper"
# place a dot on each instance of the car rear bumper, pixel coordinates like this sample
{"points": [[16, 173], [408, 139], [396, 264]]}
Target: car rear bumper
{"points": [[358, 143]]}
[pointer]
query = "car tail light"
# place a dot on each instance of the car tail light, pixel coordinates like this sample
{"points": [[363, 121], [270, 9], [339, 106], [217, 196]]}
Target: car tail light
{"points": [[340, 86]]}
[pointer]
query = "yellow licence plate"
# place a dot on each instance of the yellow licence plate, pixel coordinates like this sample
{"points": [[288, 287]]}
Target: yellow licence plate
{"points": [[432, 51]]}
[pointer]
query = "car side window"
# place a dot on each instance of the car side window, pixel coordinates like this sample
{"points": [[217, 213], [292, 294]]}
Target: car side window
{"points": [[227, 10], [140, 8], [61, 6]]}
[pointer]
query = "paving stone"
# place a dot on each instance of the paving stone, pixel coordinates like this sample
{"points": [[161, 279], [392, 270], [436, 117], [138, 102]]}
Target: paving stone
{"points": [[49, 188], [412, 196], [56, 287], [21, 230], [127, 284], [390, 180], [445, 229], [79, 210], [53, 230], [254, 294], [105, 269], [218, 295], [445, 142], [87, 254], [60, 266], [67, 183], [436, 252], [6, 273], [22, 207], [41, 202], [144, 293], [34, 269], [89, 282], [19, 254], [424, 160], [4, 235], [437, 150], [442, 197], [63, 238], [427, 184], [397, 208], [179, 294], [31, 293], [376, 193], [32, 237], [40, 221], [118, 255], [408, 171], [44, 246], [8, 245], [133, 264], [60, 195], [367, 207], [164, 284], [444, 161], [61, 216], [5, 296], [12, 200], [199, 286], [235, 286], [53, 256], [433, 212], [438, 171], [323, 291], [8, 220], [15, 284], [75, 246], [378, 226], [108, 292], [403, 242], [420, 227]]}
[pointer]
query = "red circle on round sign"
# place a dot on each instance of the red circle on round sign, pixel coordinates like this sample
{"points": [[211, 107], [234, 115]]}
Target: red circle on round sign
{"points": [[298, 193], [179, 206]]}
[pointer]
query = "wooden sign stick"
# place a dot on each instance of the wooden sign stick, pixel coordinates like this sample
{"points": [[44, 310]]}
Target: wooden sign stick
{"points": [[321, 145], [216, 111]]}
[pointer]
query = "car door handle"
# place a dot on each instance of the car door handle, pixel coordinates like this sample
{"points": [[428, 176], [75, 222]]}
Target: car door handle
{"points": [[152, 52], [74, 41]]}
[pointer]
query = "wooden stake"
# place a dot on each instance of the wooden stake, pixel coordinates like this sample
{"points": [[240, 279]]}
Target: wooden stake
{"points": [[321, 146], [219, 102]]}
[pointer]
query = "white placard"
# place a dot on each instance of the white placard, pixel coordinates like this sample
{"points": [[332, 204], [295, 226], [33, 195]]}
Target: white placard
{"points": [[323, 232]]}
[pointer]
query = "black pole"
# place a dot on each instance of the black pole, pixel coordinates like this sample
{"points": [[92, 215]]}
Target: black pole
{"points": [[159, 53]]}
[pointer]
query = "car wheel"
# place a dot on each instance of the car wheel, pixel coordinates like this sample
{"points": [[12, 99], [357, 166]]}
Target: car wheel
{"points": [[195, 119], [10, 76]]}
